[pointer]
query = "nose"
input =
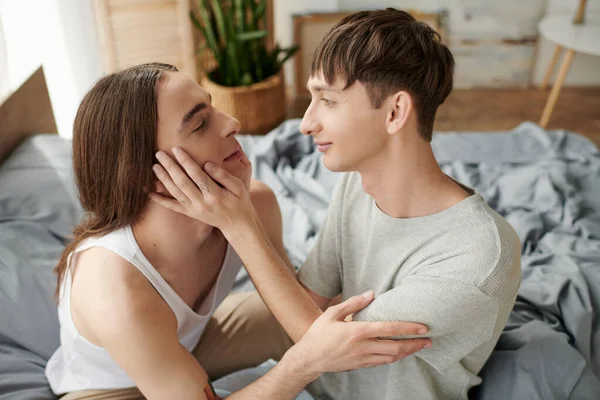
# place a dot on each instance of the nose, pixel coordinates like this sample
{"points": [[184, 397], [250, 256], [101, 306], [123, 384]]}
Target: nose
{"points": [[232, 127], [310, 124]]}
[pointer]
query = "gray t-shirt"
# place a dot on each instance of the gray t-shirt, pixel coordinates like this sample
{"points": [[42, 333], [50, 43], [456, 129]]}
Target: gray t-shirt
{"points": [[456, 271]]}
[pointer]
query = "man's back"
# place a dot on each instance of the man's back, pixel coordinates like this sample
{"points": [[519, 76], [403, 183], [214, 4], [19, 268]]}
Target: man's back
{"points": [[457, 271]]}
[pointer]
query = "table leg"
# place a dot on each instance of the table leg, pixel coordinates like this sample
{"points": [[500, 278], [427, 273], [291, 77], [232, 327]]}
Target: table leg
{"points": [[551, 66], [579, 15], [562, 75]]}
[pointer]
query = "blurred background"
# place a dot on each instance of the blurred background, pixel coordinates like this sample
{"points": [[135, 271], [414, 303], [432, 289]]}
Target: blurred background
{"points": [[502, 55]]}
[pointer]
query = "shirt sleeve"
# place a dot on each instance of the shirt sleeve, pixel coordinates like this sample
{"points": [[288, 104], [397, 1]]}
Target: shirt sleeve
{"points": [[460, 317], [322, 270]]}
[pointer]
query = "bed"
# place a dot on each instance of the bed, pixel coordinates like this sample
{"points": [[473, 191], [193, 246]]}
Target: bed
{"points": [[546, 183]]}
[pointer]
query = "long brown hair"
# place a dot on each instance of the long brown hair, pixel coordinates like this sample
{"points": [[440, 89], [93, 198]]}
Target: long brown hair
{"points": [[387, 51], [114, 142]]}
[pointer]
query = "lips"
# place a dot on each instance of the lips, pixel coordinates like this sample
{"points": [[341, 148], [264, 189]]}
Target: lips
{"points": [[323, 146], [236, 154]]}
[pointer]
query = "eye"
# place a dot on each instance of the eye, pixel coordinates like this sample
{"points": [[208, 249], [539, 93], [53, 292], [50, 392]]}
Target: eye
{"points": [[327, 102], [199, 126]]}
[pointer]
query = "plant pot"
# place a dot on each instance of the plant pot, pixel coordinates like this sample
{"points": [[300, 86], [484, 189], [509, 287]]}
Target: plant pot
{"points": [[259, 107]]}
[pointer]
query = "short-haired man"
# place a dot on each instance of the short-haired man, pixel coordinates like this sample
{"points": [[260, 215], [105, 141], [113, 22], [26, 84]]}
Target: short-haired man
{"points": [[432, 250]]}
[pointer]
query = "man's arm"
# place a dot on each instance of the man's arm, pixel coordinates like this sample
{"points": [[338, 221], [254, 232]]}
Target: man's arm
{"points": [[229, 208], [460, 316], [139, 330], [284, 381], [117, 306], [266, 206]]}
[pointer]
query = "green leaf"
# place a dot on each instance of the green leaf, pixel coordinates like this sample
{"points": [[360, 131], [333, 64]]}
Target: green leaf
{"points": [[202, 30], [233, 48], [289, 52], [240, 10], [195, 21], [235, 32], [259, 11], [272, 58], [207, 31], [251, 25], [293, 47], [218, 13], [247, 79], [258, 62], [235, 67], [247, 36]]}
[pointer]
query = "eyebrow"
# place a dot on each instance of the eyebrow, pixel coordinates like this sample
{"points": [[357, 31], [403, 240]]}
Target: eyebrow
{"points": [[321, 88], [193, 111], [190, 114]]}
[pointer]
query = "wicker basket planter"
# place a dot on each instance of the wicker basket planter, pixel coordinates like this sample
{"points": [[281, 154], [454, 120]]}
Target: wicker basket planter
{"points": [[259, 107]]}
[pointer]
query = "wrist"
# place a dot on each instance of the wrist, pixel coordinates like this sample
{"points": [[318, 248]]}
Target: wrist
{"points": [[298, 364], [246, 232], [241, 232]]}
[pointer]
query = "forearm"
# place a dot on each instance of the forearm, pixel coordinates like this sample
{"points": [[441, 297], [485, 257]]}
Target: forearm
{"points": [[282, 382], [277, 285]]}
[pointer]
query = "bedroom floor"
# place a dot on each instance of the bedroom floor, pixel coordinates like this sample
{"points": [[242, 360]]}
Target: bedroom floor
{"points": [[577, 109]]}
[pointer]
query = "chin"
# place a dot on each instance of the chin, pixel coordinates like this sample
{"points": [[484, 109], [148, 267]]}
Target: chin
{"points": [[334, 165], [239, 171]]}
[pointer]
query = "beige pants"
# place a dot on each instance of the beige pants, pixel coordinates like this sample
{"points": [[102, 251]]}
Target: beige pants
{"points": [[242, 333]]}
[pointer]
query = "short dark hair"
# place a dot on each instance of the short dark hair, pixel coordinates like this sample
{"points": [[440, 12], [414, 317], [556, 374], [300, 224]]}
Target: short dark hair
{"points": [[387, 51]]}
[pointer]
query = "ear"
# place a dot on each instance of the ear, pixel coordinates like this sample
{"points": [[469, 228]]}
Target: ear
{"points": [[400, 106]]}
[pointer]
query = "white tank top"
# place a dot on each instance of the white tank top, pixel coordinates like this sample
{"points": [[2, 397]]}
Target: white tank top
{"points": [[80, 365]]}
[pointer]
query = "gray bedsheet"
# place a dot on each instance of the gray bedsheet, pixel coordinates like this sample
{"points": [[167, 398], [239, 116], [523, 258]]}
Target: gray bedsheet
{"points": [[547, 184], [38, 210]]}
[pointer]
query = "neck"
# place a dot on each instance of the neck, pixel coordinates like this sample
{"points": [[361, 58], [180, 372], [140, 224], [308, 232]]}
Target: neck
{"points": [[406, 181], [169, 239]]}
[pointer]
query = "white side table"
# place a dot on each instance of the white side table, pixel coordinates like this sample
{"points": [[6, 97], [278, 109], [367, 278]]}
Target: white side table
{"points": [[584, 38]]}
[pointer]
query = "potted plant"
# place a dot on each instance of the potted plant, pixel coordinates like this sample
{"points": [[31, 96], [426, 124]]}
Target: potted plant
{"points": [[247, 80]]}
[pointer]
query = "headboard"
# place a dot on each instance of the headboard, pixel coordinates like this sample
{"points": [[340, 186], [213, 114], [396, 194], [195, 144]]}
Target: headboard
{"points": [[25, 111]]}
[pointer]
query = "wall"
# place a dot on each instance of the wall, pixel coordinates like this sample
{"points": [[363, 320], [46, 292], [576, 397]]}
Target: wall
{"points": [[17, 65], [283, 12], [493, 41], [60, 35]]}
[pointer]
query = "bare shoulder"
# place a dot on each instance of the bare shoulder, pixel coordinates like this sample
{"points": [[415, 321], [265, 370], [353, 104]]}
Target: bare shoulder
{"points": [[265, 203], [261, 192], [109, 294], [266, 206], [131, 321]]}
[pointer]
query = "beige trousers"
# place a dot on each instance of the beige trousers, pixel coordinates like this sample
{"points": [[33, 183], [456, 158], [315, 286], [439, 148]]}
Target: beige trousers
{"points": [[242, 333]]}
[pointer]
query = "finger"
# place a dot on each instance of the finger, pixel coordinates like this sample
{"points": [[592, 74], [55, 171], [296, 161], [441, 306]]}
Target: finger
{"points": [[228, 181], [399, 348], [352, 305], [246, 161], [164, 177], [168, 203], [195, 173], [392, 329], [159, 187], [376, 360], [248, 165], [179, 179]]}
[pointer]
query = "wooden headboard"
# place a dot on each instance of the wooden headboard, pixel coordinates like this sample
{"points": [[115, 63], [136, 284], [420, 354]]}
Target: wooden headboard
{"points": [[24, 112]]}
